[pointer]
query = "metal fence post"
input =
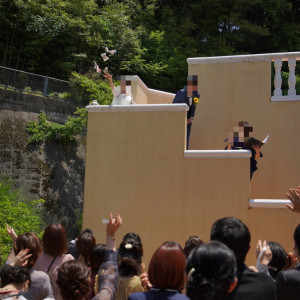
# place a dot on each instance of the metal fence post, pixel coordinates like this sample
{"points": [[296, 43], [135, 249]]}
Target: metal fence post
{"points": [[45, 87]]}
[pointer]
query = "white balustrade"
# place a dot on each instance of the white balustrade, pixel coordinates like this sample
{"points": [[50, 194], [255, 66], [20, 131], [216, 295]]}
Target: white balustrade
{"points": [[292, 58]]}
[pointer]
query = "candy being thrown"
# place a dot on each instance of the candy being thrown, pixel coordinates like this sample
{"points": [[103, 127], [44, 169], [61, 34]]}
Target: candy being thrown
{"points": [[111, 52], [104, 56], [96, 67], [105, 221]]}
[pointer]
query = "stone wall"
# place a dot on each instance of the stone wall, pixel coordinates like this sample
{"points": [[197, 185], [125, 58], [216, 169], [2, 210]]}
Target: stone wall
{"points": [[56, 109], [50, 170]]}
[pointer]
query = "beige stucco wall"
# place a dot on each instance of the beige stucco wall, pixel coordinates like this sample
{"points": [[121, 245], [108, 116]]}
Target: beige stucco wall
{"points": [[135, 162], [143, 95], [135, 165], [232, 92]]}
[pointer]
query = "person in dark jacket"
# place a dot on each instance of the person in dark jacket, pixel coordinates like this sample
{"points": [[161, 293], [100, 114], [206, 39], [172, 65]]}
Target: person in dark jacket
{"points": [[251, 285], [190, 96]]}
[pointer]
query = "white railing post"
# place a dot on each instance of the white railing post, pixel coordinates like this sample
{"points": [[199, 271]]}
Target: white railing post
{"points": [[278, 79], [292, 77]]}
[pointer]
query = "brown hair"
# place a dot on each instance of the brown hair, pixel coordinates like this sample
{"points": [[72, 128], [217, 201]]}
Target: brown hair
{"points": [[55, 240], [191, 243], [84, 244], [73, 280], [167, 267], [31, 241]]}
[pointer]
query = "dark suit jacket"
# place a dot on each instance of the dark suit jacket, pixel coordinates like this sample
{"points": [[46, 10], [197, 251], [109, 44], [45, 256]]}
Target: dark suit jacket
{"points": [[181, 97], [158, 295], [288, 284], [252, 286]]}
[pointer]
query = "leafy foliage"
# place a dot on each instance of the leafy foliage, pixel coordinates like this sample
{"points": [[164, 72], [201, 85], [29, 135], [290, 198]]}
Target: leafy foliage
{"points": [[47, 131], [153, 37], [85, 89], [19, 212]]}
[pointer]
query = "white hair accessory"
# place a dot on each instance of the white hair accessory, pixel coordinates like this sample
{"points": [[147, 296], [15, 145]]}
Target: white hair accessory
{"points": [[128, 246], [192, 270]]}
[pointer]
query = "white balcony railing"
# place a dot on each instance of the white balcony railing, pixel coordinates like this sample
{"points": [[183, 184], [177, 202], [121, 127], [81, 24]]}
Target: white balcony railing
{"points": [[292, 58], [277, 58]]}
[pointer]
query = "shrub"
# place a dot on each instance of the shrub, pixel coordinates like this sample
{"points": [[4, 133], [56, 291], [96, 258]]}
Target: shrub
{"points": [[86, 90], [19, 212]]}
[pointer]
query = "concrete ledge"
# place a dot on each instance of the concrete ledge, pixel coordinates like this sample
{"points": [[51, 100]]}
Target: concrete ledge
{"points": [[217, 153], [242, 58], [136, 107], [268, 203], [285, 98]]}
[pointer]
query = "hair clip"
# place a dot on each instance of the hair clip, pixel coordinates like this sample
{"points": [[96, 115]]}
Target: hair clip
{"points": [[192, 270], [128, 246]]}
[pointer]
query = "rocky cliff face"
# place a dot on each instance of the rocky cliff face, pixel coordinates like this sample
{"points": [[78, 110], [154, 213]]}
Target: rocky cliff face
{"points": [[50, 171]]}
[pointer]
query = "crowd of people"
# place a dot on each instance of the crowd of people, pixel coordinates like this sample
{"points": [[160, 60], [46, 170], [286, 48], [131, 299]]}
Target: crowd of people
{"points": [[50, 269]]}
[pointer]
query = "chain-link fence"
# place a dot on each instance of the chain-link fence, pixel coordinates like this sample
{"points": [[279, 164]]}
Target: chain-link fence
{"points": [[34, 84]]}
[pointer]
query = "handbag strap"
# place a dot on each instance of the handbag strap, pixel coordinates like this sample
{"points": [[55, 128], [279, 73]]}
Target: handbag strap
{"points": [[51, 264]]}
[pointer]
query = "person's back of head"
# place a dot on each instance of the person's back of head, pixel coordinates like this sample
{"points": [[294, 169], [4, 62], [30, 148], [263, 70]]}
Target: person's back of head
{"points": [[279, 258], [167, 267], [16, 276], [30, 241], [55, 240], [211, 270], [84, 244], [191, 243], [234, 234], [73, 280], [130, 257], [97, 256], [137, 238]]}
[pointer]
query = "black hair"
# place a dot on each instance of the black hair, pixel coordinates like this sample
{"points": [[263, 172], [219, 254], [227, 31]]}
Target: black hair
{"points": [[97, 256], [297, 237], [211, 269], [130, 257], [234, 234], [132, 235], [279, 258], [87, 230], [14, 275]]}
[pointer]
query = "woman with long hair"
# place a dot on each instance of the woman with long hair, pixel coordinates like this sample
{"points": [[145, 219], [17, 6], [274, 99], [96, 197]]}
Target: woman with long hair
{"points": [[166, 274], [55, 249]]}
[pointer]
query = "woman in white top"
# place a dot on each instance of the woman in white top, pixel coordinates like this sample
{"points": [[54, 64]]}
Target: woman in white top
{"points": [[122, 93]]}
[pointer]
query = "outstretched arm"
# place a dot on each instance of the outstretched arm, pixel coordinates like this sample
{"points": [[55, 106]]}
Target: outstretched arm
{"points": [[108, 272], [11, 232], [294, 196], [111, 228], [109, 77]]}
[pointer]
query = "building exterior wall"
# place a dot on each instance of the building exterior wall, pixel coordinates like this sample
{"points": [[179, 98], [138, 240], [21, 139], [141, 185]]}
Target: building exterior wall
{"points": [[241, 91], [135, 165], [135, 162]]}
